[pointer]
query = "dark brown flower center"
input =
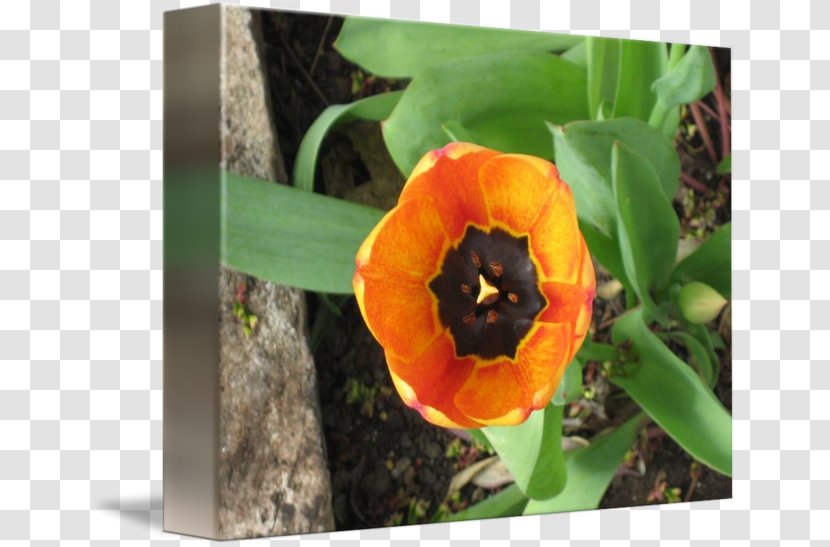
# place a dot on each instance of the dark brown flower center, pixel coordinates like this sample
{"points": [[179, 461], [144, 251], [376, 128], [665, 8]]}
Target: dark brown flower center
{"points": [[488, 293]]}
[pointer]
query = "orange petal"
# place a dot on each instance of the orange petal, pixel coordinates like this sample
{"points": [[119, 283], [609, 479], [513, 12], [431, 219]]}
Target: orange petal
{"points": [[544, 358], [555, 239], [495, 395], [506, 392], [429, 383], [392, 276], [400, 311], [516, 187], [451, 175], [364, 253], [566, 304], [410, 240], [587, 278]]}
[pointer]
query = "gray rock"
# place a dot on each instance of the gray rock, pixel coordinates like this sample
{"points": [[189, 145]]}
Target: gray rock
{"points": [[273, 475]]}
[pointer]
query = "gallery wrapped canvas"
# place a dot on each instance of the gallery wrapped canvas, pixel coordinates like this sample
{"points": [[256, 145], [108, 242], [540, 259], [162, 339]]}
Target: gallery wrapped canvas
{"points": [[417, 273]]}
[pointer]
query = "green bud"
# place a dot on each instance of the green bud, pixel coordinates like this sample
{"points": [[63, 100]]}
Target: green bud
{"points": [[700, 303]]}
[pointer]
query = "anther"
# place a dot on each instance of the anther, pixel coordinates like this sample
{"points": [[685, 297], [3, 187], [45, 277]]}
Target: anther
{"points": [[469, 318], [466, 289], [513, 297], [476, 259], [492, 316], [496, 268]]}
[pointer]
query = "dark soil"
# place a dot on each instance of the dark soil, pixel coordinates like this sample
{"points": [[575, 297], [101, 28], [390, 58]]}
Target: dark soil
{"points": [[388, 465]]}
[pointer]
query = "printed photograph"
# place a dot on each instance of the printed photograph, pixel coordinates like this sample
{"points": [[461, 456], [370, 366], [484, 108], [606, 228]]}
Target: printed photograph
{"points": [[464, 273]]}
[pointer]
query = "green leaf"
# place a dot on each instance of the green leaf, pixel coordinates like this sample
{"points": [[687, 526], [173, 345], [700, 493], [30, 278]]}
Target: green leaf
{"points": [[699, 355], [374, 108], [597, 351], [711, 263], [704, 337], [402, 49], [577, 54], [603, 71], [455, 131], [570, 388], [590, 471], [725, 165], [583, 156], [291, 236], [647, 224], [501, 100], [606, 250], [532, 452], [690, 80], [641, 63], [673, 395], [510, 502]]}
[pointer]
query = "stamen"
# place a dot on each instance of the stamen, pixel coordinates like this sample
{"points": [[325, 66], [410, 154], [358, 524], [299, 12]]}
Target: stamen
{"points": [[486, 290], [496, 268], [476, 260], [492, 316], [513, 297], [469, 318], [466, 289]]}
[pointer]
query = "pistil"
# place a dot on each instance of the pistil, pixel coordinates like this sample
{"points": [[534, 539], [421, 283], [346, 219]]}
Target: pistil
{"points": [[486, 290]]}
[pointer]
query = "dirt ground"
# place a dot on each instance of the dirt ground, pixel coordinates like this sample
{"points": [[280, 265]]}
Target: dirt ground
{"points": [[388, 465]]}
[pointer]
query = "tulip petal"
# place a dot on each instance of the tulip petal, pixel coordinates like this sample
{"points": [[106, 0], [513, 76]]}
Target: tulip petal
{"points": [[452, 174], [400, 312], [391, 281], [567, 304], [516, 187], [364, 253], [411, 240], [429, 383], [556, 241], [495, 395], [504, 393], [544, 359]]}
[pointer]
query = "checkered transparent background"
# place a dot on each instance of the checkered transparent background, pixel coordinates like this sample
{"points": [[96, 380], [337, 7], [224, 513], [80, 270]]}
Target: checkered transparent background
{"points": [[80, 268]]}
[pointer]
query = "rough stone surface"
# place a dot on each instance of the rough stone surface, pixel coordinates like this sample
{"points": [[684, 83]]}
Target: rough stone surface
{"points": [[272, 464], [249, 135]]}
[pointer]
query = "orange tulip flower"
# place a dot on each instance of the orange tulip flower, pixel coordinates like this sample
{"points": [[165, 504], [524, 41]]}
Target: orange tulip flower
{"points": [[478, 285]]}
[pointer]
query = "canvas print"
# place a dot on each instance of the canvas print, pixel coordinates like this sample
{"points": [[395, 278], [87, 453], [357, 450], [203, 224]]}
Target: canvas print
{"points": [[419, 273]]}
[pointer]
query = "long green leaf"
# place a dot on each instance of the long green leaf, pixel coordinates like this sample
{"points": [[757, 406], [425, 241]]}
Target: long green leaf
{"points": [[583, 156], [647, 224], [374, 108], [532, 452], [702, 335], [603, 55], [500, 100], [606, 250], [691, 79], [711, 263], [577, 54], [699, 356], [641, 63], [402, 49], [510, 502], [291, 236], [674, 396], [590, 471]]}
